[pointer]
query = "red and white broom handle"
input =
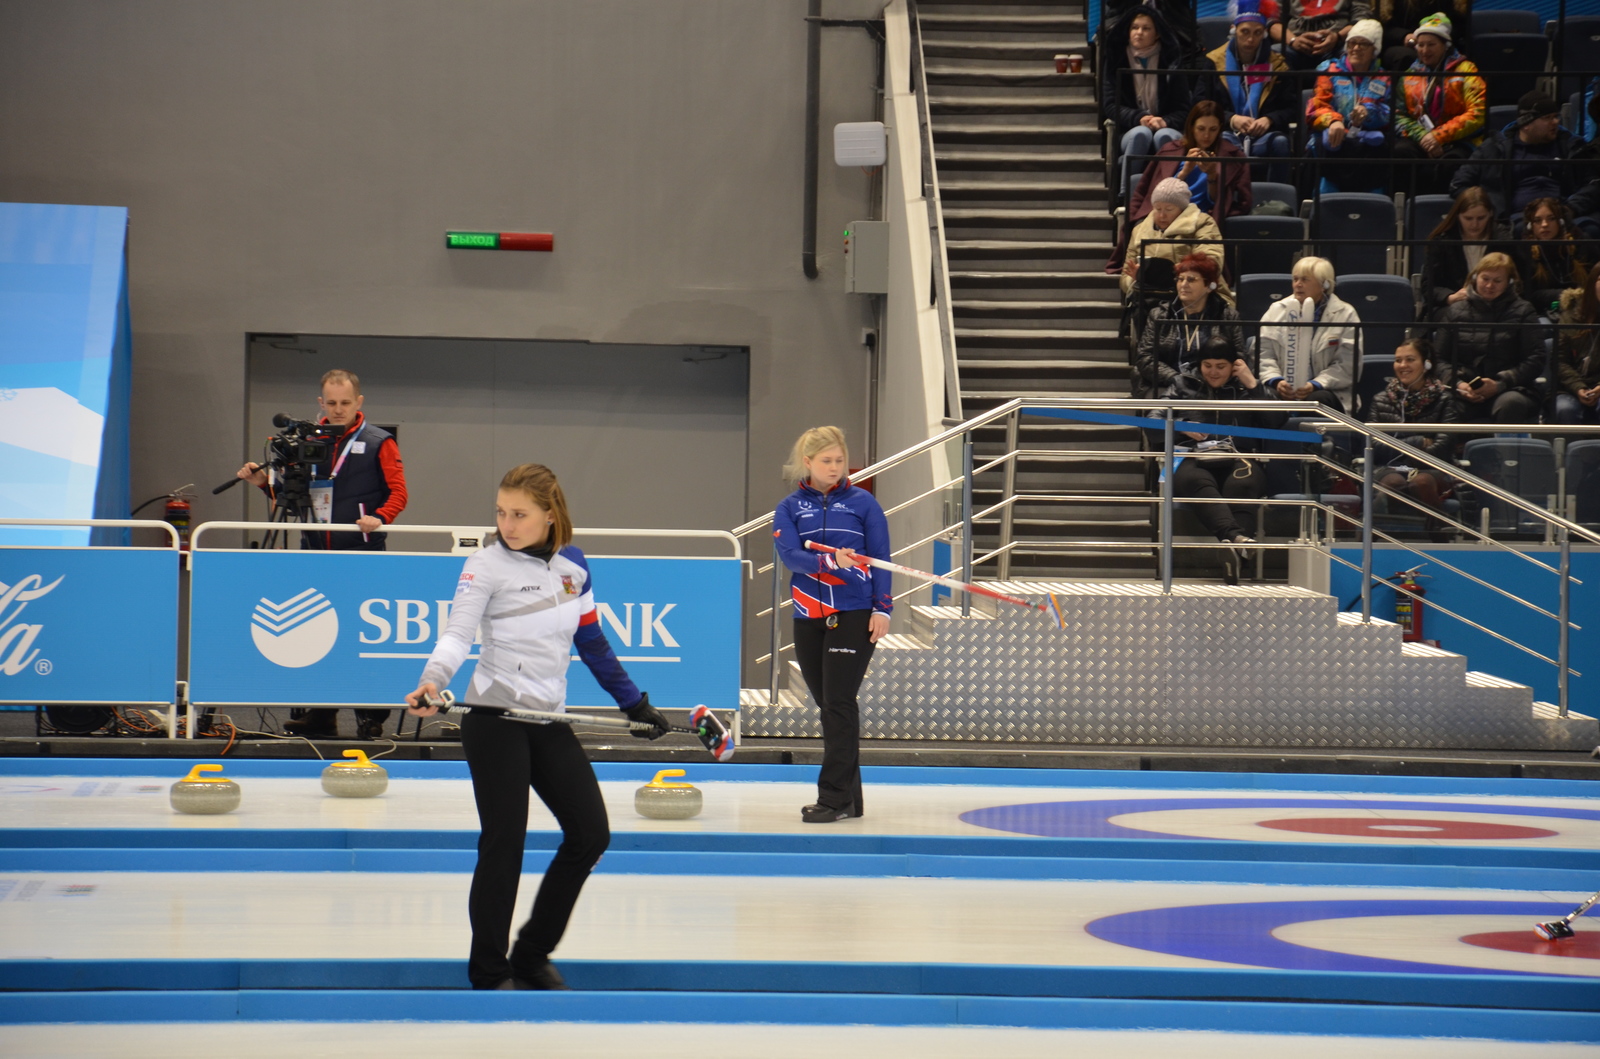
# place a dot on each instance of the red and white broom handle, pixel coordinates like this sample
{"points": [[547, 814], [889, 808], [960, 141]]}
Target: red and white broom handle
{"points": [[939, 579]]}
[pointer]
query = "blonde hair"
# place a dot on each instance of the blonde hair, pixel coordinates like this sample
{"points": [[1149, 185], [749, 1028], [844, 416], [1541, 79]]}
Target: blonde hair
{"points": [[807, 445], [340, 375], [1498, 262], [539, 482], [1319, 268]]}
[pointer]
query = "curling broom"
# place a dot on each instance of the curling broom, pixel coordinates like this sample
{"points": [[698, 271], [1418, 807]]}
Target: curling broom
{"points": [[704, 725], [949, 582], [1562, 928]]}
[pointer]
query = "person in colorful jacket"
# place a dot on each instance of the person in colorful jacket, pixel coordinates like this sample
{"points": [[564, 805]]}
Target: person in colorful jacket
{"points": [[841, 605], [1350, 111], [1443, 107]]}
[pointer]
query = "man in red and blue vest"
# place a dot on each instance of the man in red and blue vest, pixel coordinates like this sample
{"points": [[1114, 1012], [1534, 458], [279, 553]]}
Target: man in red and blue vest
{"points": [[363, 482]]}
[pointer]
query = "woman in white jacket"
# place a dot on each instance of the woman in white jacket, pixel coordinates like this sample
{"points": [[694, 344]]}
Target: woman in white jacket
{"points": [[1311, 363]]}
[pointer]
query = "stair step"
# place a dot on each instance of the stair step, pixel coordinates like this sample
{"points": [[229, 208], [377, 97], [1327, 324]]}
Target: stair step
{"points": [[940, 46], [1082, 135], [1019, 161], [974, 280], [1086, 367], [1032, 338], [974, 22], [1055, 102], [1087, 191], [1021, 248], [1038, 310], [1022, 217], [1033, 74]]}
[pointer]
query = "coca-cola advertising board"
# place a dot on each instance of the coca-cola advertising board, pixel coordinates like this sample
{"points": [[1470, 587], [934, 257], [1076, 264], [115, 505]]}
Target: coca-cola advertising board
{"points": [[90, 625]]}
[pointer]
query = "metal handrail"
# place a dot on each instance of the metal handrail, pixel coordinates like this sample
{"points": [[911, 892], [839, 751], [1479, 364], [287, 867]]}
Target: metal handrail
{"points": [[930, 192], [174, 541], [327, 527]]}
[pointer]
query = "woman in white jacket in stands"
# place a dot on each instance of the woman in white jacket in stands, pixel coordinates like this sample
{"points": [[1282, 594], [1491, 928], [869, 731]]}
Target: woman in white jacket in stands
{"points": [[1311, 363]]}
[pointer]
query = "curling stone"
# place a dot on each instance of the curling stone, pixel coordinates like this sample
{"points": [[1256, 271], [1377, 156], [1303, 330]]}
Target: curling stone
{"points": [[661, 800], [359, 778], [205, 795]]}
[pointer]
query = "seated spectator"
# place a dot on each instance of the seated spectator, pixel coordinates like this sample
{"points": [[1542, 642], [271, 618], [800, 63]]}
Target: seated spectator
{"points": [[1301, 362], [1219, 189], [1578, 362], [1398, 16], [1415, 395], [1493, 366], [1548, 258], [1174, 333], [1257, 106], [1214, 467], [1317, 29], [1147, 104], [1349, 114], [1440, 112], [1467, 233], [1536, 148], [1179, 14], [1173, 216]]}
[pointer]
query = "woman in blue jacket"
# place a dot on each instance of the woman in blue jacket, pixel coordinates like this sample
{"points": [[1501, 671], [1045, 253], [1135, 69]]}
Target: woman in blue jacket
{"points": [[841, 605]]}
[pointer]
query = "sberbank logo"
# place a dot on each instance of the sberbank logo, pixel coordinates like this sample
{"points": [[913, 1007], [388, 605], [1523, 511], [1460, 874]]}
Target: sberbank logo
{"points": [[296, 633]]}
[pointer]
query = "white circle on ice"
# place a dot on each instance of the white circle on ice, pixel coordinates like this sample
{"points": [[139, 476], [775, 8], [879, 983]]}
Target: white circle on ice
{"points": [[1433, 939]]}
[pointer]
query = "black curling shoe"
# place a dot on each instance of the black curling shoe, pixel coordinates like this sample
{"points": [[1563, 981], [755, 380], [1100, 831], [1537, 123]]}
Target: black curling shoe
{"points": [[824, 814], [545, 977]]}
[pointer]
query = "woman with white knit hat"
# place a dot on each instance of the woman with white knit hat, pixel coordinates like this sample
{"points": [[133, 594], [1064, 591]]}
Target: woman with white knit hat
{"points": [[1173, 216], [1350, 111]]}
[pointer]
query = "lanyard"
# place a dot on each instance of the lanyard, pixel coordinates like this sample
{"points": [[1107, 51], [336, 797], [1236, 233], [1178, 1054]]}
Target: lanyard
{"points": [[348, 446]]}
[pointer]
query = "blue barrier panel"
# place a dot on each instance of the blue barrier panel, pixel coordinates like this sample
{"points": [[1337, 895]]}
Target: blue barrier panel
{"points": [[332, 628], [88, 625]]}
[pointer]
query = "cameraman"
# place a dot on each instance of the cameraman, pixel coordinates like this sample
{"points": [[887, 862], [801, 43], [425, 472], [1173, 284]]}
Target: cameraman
{"points": [[363, 482]]}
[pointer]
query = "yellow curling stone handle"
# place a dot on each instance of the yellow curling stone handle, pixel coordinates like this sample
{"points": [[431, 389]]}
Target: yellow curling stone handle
{"points": [[660, 781], [195, 777], [360, 761]]}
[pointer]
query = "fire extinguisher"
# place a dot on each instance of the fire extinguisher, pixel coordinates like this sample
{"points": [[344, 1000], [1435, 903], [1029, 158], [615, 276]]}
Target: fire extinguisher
{"points": [[1408, 609], [176, 512]]}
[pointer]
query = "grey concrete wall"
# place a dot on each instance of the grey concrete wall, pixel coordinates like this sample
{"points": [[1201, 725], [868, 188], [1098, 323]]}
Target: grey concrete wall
{"points": [[291, 166]]}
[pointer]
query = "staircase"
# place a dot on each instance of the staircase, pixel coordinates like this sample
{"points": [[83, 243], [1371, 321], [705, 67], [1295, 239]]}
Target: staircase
{"points": [[1208, 665], [1019, 155]]}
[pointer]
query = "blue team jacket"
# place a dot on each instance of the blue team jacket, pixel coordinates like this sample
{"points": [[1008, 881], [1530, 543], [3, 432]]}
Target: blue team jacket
{"points": [[846, 517]]}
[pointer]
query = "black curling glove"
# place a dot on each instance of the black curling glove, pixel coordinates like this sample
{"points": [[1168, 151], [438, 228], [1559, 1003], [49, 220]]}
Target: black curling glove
{"points": [[643, 712]]}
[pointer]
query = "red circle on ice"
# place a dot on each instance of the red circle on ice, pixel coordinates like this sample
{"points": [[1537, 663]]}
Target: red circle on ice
{"points": [[1371, 827], [1584, 944]]}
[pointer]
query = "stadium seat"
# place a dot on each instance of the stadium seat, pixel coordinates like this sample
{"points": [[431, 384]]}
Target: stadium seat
{"points": [[1583, 481], [1423, 215], [1500, 116], [1287, 235], [1376, 371], [1269, 190], [1355, 215], [1214, 31], [1386, 307], [1506, 22], [1522, 52], [1524, 466], [1578, 48]]}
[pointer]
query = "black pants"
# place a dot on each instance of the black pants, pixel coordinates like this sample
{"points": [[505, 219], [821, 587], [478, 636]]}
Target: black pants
{"points": [[1432, 175], [1217, 479], [834, 653], [506, 759], [1507, 406]]}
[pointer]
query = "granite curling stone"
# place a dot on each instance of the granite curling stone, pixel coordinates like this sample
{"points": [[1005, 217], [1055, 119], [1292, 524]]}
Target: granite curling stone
{"points": [[205, 795], [358, 778], [661, 800]]}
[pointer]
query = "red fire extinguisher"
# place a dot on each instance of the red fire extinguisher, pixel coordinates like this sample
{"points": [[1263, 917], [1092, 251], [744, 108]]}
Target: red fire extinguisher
{"points": [[1408, 609], [177, 513]]}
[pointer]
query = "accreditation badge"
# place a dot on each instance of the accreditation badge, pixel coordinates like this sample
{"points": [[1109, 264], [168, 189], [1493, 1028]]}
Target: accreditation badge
{"points": [[322, 500]]}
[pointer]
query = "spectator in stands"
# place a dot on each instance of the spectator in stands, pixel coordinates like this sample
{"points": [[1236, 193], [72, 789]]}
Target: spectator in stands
{"points": [[1441, 111], [1493, 366], [1398, 16], [1467, 233], [1220, 189], [1415, 395], [1174, 216], [1215, 468], [1258, 103], [1179, 14], [1317, 29], [1175, 333], [1531, 158], [1578, 364], [1147, 104], [1548, 256], [1310, 355], [1349, 114]]}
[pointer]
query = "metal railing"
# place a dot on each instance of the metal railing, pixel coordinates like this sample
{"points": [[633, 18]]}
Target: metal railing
{"points": [[930, 191], [1163, 417]]}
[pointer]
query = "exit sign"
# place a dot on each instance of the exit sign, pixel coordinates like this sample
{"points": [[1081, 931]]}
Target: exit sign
{"points": [[500, 240]]}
